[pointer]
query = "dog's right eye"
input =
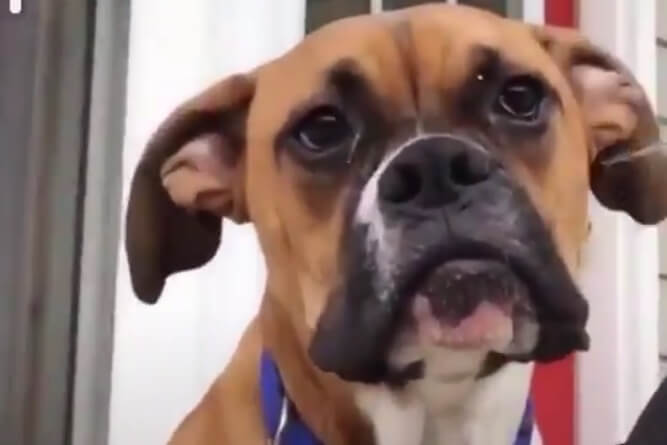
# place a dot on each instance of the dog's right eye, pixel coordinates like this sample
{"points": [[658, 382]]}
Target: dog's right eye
{"points": [[520, 98], [322, 130]]}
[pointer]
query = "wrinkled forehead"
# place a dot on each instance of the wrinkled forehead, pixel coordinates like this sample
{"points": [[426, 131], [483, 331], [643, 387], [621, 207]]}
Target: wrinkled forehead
{"points": [[406, 57]]}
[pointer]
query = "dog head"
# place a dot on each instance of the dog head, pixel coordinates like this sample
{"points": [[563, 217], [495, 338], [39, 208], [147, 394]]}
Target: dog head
{"points": [[418, 181]]}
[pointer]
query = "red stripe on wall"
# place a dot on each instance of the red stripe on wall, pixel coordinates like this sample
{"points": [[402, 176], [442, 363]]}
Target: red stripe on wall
{"points": [[559, 12], [553, 392], [553, 384]]}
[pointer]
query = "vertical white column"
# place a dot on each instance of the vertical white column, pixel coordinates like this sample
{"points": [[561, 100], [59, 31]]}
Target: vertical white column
{"points": [[15, 6], [618, 375], [533, 11]]}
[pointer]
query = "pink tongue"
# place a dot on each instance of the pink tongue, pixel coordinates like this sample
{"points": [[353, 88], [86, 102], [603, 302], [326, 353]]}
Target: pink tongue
{"points": [[488, 325]]}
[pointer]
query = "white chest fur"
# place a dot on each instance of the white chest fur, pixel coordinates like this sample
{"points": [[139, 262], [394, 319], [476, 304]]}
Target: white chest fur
{"points": [[461, 412]]}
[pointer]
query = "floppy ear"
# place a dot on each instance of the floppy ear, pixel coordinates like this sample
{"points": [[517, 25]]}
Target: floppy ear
{"points": [[628, 168], [189, 177]]}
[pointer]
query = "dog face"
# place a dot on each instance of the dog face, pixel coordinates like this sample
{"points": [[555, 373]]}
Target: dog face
{"points": [[418, 181]]}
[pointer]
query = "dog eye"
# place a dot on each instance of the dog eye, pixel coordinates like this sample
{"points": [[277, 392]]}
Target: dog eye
{"points": [[521, 97], [323, 129]]}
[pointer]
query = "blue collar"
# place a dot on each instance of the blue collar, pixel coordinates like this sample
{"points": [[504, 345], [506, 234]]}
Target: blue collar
{"points": [[285, 427], [281, 419]]}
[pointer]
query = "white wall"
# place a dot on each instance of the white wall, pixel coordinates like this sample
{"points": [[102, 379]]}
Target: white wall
{"points": [[166, 355], [618, 375]]}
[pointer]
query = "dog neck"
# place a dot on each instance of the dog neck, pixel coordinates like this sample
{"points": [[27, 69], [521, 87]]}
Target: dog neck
{"points": [[436, 412]]}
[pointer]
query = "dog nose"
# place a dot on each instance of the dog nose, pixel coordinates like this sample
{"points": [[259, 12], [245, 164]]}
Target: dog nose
{"points": [[433, 172]]}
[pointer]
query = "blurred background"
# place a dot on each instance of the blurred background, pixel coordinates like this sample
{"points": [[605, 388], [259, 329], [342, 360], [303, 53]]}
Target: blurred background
{"points": [[82, 86]]}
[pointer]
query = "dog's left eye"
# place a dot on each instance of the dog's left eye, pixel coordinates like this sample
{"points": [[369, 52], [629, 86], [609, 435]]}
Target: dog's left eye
{"points": [[323, 129], [521, 97]]}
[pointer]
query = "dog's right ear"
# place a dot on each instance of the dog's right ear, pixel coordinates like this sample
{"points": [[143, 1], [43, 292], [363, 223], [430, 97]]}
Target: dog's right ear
{"points": [[190, 176]]}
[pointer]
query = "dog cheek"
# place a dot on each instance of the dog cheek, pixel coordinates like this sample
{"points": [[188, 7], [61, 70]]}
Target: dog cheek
{"points": [[353, 334]]}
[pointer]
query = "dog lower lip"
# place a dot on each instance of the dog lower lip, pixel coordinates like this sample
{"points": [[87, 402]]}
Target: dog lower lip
{"points": [[468, 302]]}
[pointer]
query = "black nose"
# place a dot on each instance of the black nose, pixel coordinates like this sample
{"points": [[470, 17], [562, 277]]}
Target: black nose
{"points": [[433, 172]]}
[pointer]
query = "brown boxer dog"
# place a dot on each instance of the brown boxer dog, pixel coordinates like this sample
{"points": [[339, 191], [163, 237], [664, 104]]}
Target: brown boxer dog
{"points": [[419, 184]]}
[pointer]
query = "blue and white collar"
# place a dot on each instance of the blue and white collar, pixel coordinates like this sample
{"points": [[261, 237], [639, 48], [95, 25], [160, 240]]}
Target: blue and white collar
{"points": [[285, 427]]}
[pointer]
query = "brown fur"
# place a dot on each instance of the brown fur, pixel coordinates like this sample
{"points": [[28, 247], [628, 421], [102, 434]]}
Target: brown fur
{"points": [[417, 61]]}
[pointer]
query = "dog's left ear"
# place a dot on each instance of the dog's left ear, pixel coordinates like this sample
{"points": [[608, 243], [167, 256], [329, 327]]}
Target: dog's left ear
{"points": [[190, 176], [628, 168]]}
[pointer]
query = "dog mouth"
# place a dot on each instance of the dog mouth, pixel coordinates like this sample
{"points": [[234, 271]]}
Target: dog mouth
{"points": [[501, 294], [471, 304]]}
